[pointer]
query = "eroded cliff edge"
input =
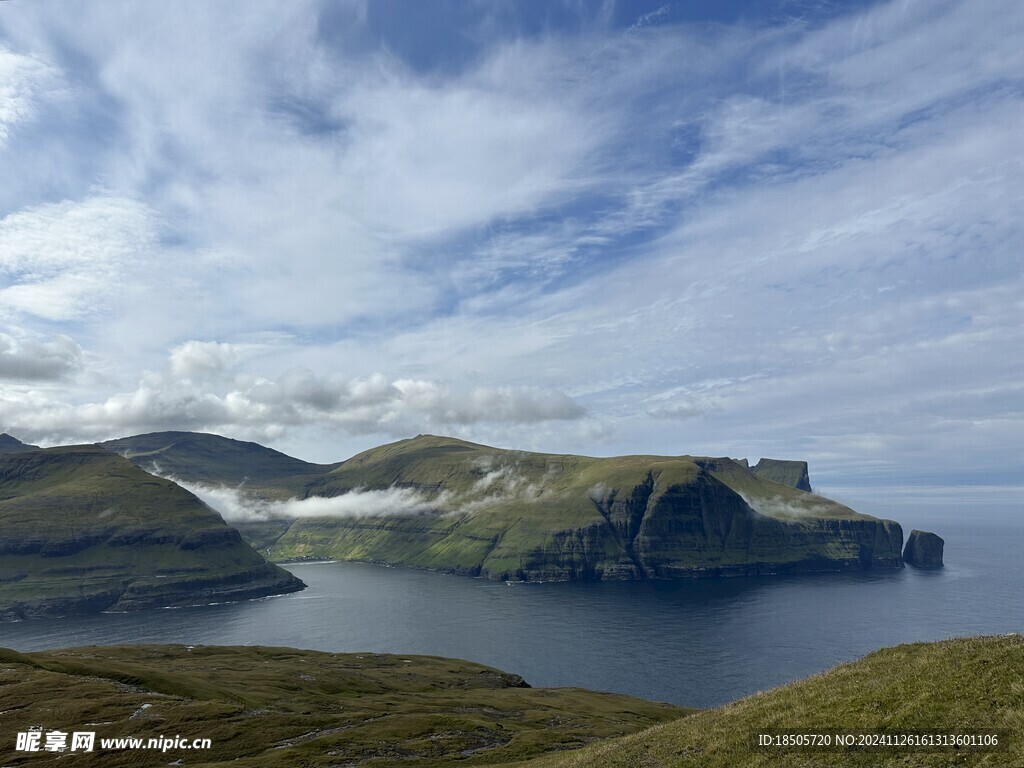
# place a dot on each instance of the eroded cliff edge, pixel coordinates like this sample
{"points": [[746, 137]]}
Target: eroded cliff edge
{"points": [[528, 516], [83, 530]]}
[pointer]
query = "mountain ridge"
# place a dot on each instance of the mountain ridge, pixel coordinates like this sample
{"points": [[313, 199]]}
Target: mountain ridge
{"points": [[521, 515], [84, 530]]}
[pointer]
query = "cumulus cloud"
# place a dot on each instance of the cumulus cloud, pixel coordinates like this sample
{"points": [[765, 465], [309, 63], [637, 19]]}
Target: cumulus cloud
{"points": [[201, 389], [200, 359], [38, 359]]}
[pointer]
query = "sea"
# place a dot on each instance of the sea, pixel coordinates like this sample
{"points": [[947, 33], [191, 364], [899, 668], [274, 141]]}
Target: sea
{"points": [[700, 642]]}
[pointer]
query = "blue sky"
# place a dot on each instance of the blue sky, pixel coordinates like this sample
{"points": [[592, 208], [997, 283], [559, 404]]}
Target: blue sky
{"points": [[785, 229]]}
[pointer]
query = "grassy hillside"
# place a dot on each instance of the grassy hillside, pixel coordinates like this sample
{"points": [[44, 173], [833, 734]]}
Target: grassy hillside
{"points": [[83, 530], [965, 685], [9, 444], [279, 707], [204, 458], [518, 515]]}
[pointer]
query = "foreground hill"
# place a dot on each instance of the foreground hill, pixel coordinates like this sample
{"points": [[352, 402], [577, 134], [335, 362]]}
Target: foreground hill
{"points": [[280, 707], [84, 530], [447, 504], [277, 707], [956, 686]]}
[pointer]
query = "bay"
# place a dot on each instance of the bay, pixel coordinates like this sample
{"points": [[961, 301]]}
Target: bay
{"points": [[697, 643]]}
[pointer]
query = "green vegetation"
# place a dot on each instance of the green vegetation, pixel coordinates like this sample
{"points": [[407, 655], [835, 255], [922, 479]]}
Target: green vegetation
{"points": [[204, 458], [84, 530], [533, 516], [283, 707], [280, 707], [955, 686]]}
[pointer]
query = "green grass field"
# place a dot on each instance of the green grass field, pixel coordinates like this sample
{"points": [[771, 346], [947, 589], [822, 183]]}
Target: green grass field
{"points": [[280, 707], [956, 686]]}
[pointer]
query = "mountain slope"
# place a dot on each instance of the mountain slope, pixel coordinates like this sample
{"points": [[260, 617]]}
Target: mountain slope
{"points": [[84, 530], [281, 707], [204, 458], [950, 687], [9, 444], [447, 504]]}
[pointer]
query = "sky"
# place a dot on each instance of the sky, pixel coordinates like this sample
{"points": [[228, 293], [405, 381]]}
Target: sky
{"points": [[787, 229]]}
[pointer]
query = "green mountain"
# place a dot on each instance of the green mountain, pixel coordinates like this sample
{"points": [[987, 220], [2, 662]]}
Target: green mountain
{"points": [[199, 457], [446, 504], [10, 444], [84, 530], [940, 689], [791, 473], [280, 707]]}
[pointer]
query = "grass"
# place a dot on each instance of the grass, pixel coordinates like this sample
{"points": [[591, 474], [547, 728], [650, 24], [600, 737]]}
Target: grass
{"points": [[962, 685], [521, 515], [283, 707], [82, 529], [280, 707], [513, 515]]}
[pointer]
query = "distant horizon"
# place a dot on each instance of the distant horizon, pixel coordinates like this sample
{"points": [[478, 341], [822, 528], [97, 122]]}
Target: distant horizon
{"points": [[869, 497], [786, 229]]}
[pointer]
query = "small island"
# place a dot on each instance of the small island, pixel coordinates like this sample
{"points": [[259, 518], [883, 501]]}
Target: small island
{"points": [[923, 550]]}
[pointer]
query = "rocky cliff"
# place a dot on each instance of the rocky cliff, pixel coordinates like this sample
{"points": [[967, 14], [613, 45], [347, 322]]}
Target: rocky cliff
{"points": [[924, 549], [791, 473], [83, 530], [528, 516], [446, 504]]}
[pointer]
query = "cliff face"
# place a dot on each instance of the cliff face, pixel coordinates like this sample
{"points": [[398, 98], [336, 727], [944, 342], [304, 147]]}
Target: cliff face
{"points": [[626, 518], [504, 514], [924, 549], [791, 473], [82, 530]]}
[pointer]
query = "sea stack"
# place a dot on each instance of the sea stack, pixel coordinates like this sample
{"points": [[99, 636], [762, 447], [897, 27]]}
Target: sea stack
{"points": [[923, 550]]}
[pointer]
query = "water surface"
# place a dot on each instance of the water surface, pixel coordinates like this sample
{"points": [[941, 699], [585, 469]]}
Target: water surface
{"points": [[700, 643]]}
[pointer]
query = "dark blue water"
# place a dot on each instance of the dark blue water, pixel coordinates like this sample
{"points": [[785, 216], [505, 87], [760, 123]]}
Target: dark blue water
{"points": [[700, 643]]}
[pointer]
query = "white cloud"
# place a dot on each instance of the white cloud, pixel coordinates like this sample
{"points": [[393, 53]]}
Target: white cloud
{"points": [[236, 505], [711, 238], [200, 390], [37, 359], [202, 359], [23, 81], [66, 260]]}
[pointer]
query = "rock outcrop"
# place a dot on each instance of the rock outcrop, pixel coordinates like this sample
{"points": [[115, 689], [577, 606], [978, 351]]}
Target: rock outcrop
{"points": [[791, 473], [923, 550], [471, 509], [529, 516]]}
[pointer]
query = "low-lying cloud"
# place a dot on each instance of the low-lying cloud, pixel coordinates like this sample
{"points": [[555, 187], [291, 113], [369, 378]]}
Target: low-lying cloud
{"points": [[776, 506], [236, 505]]}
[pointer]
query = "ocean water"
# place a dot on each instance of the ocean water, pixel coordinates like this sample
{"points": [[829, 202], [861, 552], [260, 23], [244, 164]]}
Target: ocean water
{"points": [[698, 643]]}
